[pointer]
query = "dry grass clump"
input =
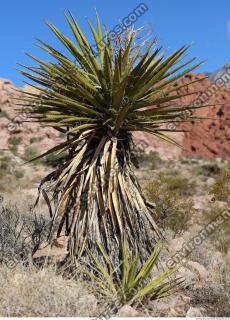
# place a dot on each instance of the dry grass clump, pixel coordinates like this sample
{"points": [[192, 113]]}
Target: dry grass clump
{"points": [[21, 233], [6, 172], [24, 289], [152, 160], [173, 210], [30, 152], [32, 293], [10, 173], [179, 184], [220, 238], [221, 188], [213, 297], [222, 243]]}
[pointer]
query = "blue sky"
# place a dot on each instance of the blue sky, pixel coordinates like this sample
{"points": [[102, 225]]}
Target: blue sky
{"points": [[204, 23]]}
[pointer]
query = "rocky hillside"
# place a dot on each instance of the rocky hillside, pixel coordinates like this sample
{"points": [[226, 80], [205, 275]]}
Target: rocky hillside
{"points": [[220, 73], [209, 139], [15, 132]]}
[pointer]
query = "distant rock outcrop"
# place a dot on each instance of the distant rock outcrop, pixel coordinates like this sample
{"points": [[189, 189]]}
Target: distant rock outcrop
{"points": [[207, 139], [220, 73], [12, 123]]}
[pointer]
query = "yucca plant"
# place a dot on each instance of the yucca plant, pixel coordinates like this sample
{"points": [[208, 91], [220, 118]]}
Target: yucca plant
{"points": [[129, 282], [98, 101]]}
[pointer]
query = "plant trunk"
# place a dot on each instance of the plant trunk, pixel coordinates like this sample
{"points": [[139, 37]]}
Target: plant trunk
{"points": [[98, 199]]}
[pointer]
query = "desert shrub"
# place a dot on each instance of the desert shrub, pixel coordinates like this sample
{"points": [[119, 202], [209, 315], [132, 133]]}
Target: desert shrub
{"points": [[35, 139], [20, 234], [221, 188], [19, 174], [190, 161], [8, 172], [15, 141], [5, 174], [14, 149], [179, 184], [213, 297], [3, 114], [208, 170], [30, 152], [54, 159], [155, 160], [220, 240], [151, 160], [5, 163], [172, 210], [142, 157]]}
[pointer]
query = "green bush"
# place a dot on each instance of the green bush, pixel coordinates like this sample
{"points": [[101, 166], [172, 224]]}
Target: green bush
{"points": [[34, 139], [177, 183], [173, 211], [15, 141], [19, 174], [208, 170], [31, 152], [54, 159], [3, 114], [221, 188]]}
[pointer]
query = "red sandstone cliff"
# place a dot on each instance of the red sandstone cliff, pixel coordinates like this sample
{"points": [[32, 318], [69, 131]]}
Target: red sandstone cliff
{"points": [[208, 139]]}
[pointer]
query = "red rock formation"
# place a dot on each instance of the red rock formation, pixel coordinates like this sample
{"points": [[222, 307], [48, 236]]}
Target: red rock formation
{"points": [[207, 139], [12, 122]]}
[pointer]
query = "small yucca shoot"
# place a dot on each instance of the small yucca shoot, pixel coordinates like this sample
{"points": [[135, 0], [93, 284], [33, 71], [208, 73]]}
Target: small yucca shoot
{"points": [[129, 283], [98, 102]]}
